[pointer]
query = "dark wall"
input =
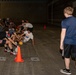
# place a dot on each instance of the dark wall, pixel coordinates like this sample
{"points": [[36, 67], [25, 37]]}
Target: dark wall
{"points": [[35, 12], [55, 11]]}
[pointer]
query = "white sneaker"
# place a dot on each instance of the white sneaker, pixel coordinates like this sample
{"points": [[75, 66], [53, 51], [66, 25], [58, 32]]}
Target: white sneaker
{"points": [[16, 49], [8, 50], [13, 53]]}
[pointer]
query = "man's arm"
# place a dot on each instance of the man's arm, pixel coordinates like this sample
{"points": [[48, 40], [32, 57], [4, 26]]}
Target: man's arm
{"points": [[33, 42], [63, 33]]}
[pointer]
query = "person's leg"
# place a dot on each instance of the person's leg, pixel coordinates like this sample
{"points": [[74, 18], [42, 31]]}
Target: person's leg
{"points": [[24, 40], [67, 66], [67, 63], [5, 48], [67, 51], [9, 45], [12, 36], [73, 54], [67, 54]]}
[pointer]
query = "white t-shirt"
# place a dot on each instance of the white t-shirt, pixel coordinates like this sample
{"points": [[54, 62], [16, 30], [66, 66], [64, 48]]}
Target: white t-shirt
{"points": [[27, 36], [29, 25]]}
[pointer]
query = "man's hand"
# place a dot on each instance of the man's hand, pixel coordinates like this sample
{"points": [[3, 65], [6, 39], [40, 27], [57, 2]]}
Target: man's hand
{"points": [[61, 46]]}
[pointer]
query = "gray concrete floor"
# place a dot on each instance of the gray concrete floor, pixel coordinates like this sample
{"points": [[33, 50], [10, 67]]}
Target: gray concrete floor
{"points": [[42, 59]]}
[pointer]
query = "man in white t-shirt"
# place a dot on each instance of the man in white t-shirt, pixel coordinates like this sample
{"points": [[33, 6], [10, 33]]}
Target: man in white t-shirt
{"points": [[27, 36], [28, 25]]}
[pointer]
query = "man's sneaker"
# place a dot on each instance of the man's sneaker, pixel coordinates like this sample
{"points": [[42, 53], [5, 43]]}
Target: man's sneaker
{"points": [[65, 71], [8, 50], [13, 53], [16, 49]]}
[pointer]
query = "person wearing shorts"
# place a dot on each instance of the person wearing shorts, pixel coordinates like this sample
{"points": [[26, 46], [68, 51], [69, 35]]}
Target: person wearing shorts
{"points": [[68, 38], [6, 41], [27, 35]]}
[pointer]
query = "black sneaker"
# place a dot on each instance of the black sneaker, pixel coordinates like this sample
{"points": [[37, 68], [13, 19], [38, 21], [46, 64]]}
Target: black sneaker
{"points": [[65, 71]]}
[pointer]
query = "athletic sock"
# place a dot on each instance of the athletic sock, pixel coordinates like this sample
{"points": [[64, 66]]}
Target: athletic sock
{"points": [[11, 50]]}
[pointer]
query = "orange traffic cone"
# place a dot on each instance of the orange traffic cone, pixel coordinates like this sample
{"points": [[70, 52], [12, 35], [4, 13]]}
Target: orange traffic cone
{"points": [[18, 57]]}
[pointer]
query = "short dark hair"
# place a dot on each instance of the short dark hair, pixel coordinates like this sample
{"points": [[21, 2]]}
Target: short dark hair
{"points": [[29, 29]]}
